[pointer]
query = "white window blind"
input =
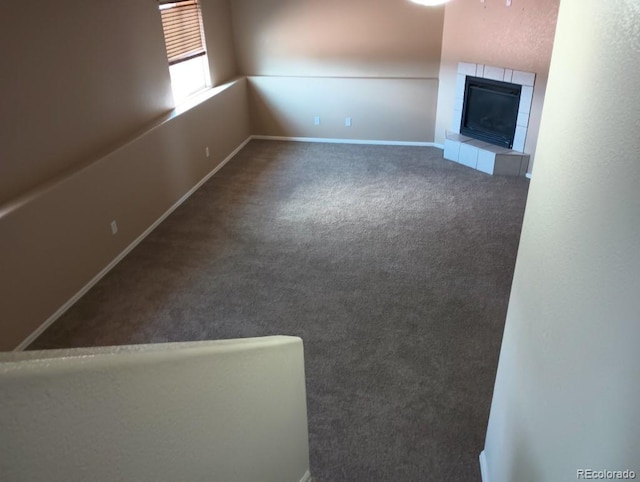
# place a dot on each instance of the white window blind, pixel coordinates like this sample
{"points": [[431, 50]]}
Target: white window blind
{"points": [[182, 25]]}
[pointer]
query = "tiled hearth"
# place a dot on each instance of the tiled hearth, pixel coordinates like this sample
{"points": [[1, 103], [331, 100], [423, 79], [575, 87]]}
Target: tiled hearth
{"points": [[481, 155]]}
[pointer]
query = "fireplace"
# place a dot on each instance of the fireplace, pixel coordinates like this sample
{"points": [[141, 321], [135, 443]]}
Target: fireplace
{"points": [[490, 119], [490, 111]]}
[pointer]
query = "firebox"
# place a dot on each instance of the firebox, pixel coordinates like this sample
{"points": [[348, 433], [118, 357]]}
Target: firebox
{"points": [[490, 111]]}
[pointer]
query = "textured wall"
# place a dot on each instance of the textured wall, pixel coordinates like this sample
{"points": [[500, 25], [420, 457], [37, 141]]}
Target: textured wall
{"points": [[567, 394], [232, 410], [519, 37]]}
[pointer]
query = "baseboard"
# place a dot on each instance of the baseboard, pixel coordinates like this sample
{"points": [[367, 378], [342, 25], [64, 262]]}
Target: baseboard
{"points": [[27, 341], [484, 470], [328, 140], [306, 477]]}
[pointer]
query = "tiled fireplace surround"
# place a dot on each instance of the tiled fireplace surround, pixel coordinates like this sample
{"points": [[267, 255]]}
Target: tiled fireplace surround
{"points": [[481, 155]]}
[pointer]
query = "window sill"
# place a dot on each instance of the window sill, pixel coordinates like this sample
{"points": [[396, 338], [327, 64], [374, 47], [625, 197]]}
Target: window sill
{"points": [[198, 98]]}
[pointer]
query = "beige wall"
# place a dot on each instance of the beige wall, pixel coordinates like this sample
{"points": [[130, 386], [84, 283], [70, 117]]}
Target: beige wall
{"points": [[519, 37], [86, 138], [216, 21], [334, 38], [79, 77], [76, 77], [232, 410], [567, 395], [380, 109], [374, 61], [54, 242]]}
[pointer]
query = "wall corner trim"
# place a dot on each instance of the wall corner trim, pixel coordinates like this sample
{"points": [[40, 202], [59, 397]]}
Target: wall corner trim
{"points": [[329, 140], [484, 469], [71, 301], [306, 477]]}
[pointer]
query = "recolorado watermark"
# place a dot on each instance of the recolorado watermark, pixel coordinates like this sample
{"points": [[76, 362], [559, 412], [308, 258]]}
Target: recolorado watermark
{"points": [[590, 474]]}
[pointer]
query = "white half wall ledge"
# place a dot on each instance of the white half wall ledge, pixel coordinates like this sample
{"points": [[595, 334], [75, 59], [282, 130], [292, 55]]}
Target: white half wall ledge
{"points": [[208, 410]]}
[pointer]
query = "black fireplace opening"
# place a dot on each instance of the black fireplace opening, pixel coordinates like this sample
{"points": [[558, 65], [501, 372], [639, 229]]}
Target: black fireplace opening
{"points": [[490, 111]]}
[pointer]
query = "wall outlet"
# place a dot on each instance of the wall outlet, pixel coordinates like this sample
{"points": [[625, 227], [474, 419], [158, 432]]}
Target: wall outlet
{"points": [[347, 121], [206, 151], [316, 120], [114, 227]]}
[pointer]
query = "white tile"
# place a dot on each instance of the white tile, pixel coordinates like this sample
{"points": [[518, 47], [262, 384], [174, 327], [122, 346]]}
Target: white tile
{"points": [[486, 161], [526, 97], [507, 165], [455, 122], [468, 155], [508, 74], [457, 104], [451, 150], [519, 138], [493, 73], [480, 70], [523, 78], [523, 119], [466, 68], [460, 84]]}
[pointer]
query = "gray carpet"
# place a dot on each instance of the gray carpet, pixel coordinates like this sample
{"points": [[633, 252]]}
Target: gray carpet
{"points": [[392, 264]]}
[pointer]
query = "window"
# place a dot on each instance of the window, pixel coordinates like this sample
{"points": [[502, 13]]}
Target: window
{"points": [[186, 48]]}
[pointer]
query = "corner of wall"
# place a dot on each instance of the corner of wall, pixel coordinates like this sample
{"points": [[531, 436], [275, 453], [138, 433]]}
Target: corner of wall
{"points": [[484, 469]]}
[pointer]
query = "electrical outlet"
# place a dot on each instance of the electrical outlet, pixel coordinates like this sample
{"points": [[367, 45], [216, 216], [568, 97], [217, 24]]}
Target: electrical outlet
{"points": [[347, 121], [316, 120], [114, 227], [206, 151]]}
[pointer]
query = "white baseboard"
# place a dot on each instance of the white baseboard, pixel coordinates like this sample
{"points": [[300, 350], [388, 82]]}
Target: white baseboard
{"points": [[27, 341], [306, 477], [484, 470], [328, 140]]}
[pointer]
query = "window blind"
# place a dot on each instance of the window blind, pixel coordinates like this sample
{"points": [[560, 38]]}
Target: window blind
{"points": [[182, 27]]}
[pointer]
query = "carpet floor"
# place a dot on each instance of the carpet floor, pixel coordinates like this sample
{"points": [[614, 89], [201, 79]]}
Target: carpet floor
{"points": [[392, 264]]}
